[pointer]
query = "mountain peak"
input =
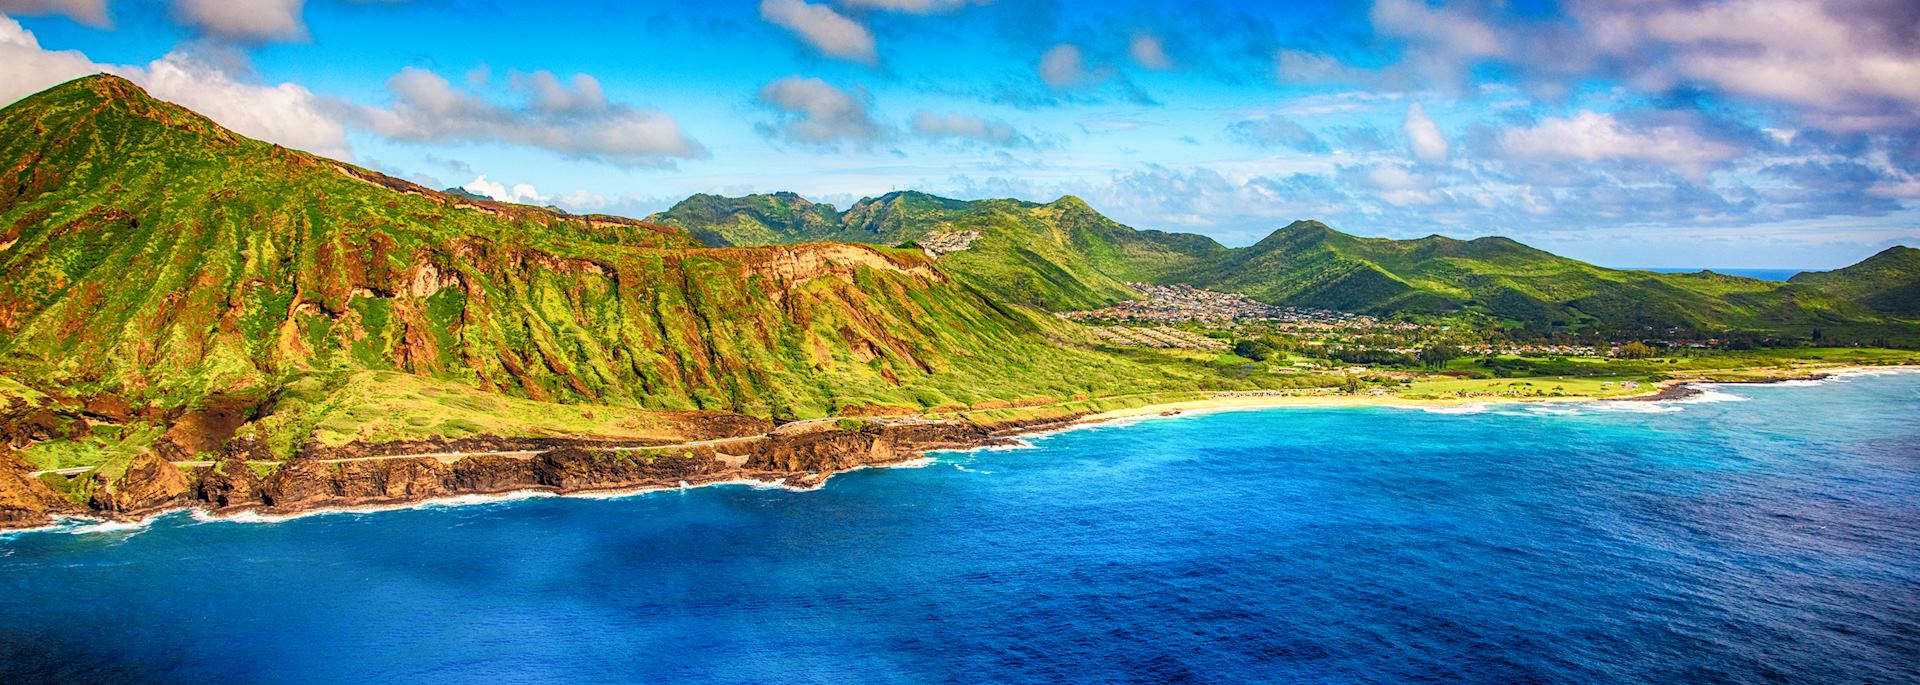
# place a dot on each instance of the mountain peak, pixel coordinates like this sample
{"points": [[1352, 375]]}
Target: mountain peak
{"points": [[108, 85], [103, 87], [107, 102]]}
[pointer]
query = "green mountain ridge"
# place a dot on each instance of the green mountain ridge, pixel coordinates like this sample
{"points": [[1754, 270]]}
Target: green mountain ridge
{"points": [[1885, 282], [1060, 255], [148, 253], [1065, 255]]}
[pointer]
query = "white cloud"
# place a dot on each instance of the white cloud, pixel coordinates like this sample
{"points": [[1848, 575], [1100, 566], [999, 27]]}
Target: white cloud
{"points": [[1276, 130], [549, 95], [1149, 52], [1846, 69], [89, 12], [819, 113], [1451, 32], [830, 32], [287, 114], [244, 20], [1423, 136], [963, 127], [1591, 136], [576, 122], [26, 69], [1063, 66], [521, 193]]}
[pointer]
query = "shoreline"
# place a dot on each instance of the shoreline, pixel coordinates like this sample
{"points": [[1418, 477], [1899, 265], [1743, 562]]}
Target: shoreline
{"points": [[1666, 391]]}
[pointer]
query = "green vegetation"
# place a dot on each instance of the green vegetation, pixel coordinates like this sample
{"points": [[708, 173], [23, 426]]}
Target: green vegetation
{"points": [[103, 444], [1058, 256], [148, 254], [1063, 255], [150, 257], [1885, 282]]}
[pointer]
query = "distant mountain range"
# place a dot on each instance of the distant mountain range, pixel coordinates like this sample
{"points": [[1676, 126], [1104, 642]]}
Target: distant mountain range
{"points": [[1065, 255]]}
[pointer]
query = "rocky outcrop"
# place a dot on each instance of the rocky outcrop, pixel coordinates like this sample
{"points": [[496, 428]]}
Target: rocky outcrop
{"points": [[150, 483], [24, 500], [801, 454], [206, 428]]}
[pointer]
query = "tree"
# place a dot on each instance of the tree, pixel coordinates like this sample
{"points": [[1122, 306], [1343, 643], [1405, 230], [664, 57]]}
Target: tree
{"points": [[1635, 350], [1350, 384], [1257, 350], [1438, 354]]}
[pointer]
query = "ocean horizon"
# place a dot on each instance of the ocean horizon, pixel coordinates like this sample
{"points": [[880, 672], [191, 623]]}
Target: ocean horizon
{"points": [[1752, 534], [1762, 274]]}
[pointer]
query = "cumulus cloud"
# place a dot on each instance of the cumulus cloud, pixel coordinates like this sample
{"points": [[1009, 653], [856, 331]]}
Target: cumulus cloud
{"points": [[521, 193], [1850, 64], [549, 95], [1423, 136], [1276, 130], [815, 112], [256, 21], [26, 68], [1843, 65], [89, 12], [1063, 66], [967, 128], [828, 31], [1149, 52], [1593, 136], [287, 113], [576, 121], [1451, 32]]}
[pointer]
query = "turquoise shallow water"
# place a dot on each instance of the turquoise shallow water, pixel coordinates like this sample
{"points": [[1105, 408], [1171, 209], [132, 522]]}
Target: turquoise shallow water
{"points": [[1772, 536]]}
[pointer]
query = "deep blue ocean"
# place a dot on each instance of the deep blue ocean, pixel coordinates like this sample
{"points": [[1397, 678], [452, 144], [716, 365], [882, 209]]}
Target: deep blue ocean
{"points": [[1771, 536]]}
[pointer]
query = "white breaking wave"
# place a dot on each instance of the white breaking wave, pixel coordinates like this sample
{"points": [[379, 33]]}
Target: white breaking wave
{"points": [[1469, 408], [1639, 407], [1711, 394], [1553, 410]]}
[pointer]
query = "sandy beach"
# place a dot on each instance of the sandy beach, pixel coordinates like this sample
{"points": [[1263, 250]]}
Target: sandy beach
{"points": [[1663, 390]]}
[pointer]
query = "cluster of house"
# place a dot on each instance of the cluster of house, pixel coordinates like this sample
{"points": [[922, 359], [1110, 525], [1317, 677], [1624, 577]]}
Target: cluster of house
{"points": [[1180, 303], [937, 244], [1537, 350]]}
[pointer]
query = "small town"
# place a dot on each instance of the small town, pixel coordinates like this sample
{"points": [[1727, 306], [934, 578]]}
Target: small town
{"points": [[1184, 303]]}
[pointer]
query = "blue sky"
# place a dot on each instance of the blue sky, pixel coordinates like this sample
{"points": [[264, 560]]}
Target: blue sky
{"points": [[1633, 133]]}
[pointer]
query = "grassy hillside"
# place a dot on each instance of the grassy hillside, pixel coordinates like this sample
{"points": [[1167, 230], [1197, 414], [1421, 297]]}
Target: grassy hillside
{"points": [[147, 253], [1888, 282], [1061, 255], [1310, 264], [1065, 255]]}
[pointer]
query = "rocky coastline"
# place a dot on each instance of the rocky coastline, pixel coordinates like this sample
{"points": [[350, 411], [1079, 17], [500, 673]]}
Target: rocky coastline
{"points": [[730, 448], [1686, 389], [379, 475]]}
